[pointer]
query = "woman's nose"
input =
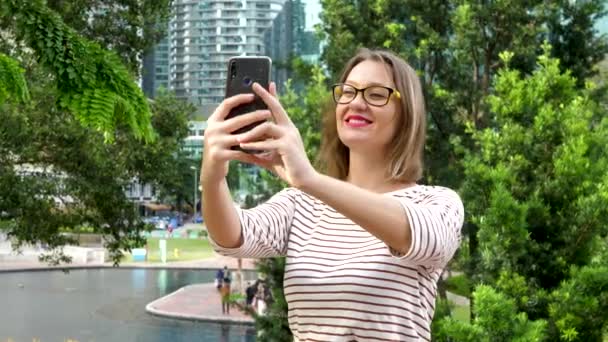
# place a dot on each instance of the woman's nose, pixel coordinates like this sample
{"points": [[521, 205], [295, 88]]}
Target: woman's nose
{"points": [[359, 101]]}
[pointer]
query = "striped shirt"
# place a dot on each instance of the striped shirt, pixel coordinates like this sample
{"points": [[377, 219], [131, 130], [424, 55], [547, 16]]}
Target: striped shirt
{"points": [[342, 283]]}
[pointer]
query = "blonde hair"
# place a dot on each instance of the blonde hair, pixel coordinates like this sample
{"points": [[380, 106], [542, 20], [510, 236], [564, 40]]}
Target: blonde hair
{"points": [[405, 154]]}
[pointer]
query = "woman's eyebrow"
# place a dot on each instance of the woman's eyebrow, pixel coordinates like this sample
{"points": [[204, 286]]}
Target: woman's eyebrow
{"points": [[368, 84]]}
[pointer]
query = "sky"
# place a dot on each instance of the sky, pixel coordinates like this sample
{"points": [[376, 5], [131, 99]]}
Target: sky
{"points": [[313, 8], [602, 25]]}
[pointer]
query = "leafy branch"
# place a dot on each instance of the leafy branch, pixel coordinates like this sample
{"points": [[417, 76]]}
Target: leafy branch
{"points": [[93, 84], [12, 82]]}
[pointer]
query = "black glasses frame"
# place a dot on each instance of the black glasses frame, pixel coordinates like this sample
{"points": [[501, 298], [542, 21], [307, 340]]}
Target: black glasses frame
{"points": [[337, 86]]}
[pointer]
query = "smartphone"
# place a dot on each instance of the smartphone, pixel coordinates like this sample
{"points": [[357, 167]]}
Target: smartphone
{"points": [[243, 71]]}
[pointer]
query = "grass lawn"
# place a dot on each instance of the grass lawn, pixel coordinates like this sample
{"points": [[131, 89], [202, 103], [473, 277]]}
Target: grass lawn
{"points": [[188, 249], [461, 313]]}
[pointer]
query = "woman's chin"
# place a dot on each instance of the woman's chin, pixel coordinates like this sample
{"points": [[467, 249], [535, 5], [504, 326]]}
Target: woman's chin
{"points": [[359, 143]]}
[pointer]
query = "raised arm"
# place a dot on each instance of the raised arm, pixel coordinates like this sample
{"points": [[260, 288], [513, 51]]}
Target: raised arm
{"points": [[218, 209], [265, 228], [378, 214], [425, 231]]}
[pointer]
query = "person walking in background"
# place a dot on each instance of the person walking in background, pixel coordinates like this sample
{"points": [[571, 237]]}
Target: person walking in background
{"points": [[225, 295], [219, 277], [250, 293], [364, 224]]}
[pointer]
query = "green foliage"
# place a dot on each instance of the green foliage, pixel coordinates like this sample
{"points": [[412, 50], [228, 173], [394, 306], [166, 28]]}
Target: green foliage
{"points": [[574, 38], [528, 297], [127, 27], [496, 320], [579, 305], [306, 111], [459, 284], [455, 47], [536, 187], [92, 82], [56, 175], [12, 82], [164, 156], [273, 326]]}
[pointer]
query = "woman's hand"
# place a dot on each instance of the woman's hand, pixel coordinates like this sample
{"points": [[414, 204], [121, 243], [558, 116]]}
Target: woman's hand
{"points": [[284, 151], [219, 137]]}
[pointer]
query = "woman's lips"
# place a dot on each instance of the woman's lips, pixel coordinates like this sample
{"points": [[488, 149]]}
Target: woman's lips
{"points": [[357, 121]]}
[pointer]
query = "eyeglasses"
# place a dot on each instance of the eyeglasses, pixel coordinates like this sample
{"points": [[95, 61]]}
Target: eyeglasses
{"points": [[375, 95]]}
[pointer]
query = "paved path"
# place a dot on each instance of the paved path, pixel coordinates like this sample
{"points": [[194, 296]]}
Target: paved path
{"points": [[196, 302]]}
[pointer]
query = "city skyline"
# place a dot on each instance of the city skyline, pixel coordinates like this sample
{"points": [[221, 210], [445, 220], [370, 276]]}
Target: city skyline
{"points": [[202, 36]]}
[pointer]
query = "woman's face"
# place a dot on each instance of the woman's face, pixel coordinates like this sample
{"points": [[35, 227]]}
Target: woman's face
{"points": [[361, 126]]}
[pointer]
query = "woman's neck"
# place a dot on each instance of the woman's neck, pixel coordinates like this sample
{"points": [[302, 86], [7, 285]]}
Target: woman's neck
{"points": [[368, 171]]}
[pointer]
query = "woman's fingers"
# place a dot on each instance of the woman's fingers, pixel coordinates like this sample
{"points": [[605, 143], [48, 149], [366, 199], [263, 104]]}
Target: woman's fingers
{"points": [[273, 104], [224, 108], [264, 145], [243, 157], [252, 159], [237, 122], [264, 130], [273, 89]]}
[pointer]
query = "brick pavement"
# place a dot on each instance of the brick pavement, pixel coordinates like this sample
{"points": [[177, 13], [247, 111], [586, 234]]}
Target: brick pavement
{"points": [[196, 302]]}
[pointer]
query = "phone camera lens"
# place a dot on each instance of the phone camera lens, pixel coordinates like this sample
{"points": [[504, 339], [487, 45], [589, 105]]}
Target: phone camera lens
{"points": [[247, 81], [232, 69]]}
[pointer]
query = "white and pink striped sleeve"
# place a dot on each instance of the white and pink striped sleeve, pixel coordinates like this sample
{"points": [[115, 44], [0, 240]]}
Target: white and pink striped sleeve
{"points": [[265, 228], [436, 221]]}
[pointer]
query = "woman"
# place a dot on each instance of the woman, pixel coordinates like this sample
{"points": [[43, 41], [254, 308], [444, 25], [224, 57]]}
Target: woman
{"points": [[365, 244]]}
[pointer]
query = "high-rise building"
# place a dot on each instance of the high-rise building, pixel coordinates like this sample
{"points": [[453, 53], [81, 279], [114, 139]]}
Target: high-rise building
{"points": [[281, 39], [288, 38], [155, 73], [204, 34]]}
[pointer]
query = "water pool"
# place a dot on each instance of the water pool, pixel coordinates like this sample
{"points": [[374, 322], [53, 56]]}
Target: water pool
{"points": [[102, 304]]}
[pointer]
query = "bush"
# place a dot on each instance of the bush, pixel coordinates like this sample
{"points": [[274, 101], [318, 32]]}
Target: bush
{"points": [[460, 285]]}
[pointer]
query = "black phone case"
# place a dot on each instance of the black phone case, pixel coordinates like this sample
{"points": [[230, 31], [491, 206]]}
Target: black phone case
{"points": [[242, 73]]}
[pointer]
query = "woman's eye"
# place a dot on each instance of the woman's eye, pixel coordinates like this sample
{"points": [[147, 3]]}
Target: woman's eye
{"points": [[377, 96]]}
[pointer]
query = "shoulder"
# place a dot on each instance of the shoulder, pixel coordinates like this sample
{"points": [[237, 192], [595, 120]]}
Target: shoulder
{"points": [[293, 196], [429, 194], [287, 194]]}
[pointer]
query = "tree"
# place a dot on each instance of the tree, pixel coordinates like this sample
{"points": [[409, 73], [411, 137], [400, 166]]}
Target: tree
{"points": [[455, 47], [12, 82], [68, 154], [490, 324], [574, 38], [93, 84], [163, 163], [536, 187], [58, 177], [127, 27]]}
